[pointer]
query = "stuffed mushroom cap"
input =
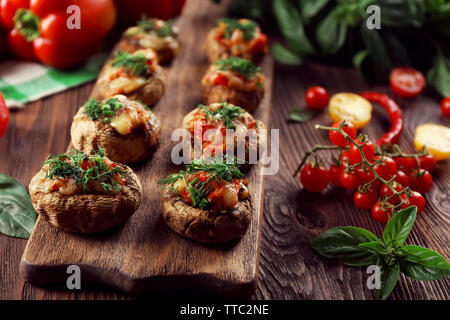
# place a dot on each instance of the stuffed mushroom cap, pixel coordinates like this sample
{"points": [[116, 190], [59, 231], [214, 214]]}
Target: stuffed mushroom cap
{"points": [[127, 130]]}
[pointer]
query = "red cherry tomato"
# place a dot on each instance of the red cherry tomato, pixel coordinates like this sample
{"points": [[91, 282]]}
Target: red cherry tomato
{"points": [[350, 180], [420, 181], [314, 178], [416, 200], [367, 176], [20, 46], [345, 157], [335, 174], [445, 107], [368, 150], [428, 163], [317, 98], [387, 169], [407, 82], [405, 164], [337, 138], [385, 191], [365, 200], [379, 214], [402, 178], [4, 116]]}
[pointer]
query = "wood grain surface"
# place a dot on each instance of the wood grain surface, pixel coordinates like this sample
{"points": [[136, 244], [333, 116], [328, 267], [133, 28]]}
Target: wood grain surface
{"points": [[288, 268]]}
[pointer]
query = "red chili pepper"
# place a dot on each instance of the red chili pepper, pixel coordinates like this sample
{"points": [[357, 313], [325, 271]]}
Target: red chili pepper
{"points": [[395, 116]]}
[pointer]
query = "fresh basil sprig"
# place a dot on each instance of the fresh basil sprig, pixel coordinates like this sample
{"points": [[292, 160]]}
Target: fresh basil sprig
{"points": [[359, 247]]}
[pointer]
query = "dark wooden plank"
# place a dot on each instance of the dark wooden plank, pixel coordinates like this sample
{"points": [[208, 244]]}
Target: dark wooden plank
{"points": [[145, 255]]}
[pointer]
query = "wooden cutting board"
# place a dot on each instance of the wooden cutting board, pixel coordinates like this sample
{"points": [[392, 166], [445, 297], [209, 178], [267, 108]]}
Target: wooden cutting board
{"points": [[144, 254]]}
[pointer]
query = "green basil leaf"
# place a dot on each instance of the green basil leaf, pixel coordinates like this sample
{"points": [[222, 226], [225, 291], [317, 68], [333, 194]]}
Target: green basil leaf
{"points": [[424, 264], [331, 33], [343, 243], [291, 26], [359, 58], [17, 215], [301, 115], [286, 56], [396, 13], [439, 75], [309, 8], [399, 227], [389, 277], [373, 246], [378, 52]]}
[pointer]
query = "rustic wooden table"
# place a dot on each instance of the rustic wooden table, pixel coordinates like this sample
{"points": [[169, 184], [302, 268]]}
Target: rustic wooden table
{"points": [[289, 269]]}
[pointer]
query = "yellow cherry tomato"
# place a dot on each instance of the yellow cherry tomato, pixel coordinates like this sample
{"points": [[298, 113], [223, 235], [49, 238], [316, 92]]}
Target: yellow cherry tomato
{"points": [[350, 107], [435, 138]]}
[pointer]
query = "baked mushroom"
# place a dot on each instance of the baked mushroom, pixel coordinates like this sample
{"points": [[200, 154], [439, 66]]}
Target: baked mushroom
{"points": [[159, 35], [236, 38], [208, 202], [126, 129], [234, 80], [136, 75], [208, 126], [85, 193]]}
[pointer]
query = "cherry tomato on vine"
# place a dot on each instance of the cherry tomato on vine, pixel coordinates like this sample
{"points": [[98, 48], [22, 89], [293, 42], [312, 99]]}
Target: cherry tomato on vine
{"points": [[379, 214], [367, 176], [402, 178], [445, 107], [407, 82], [345, 157], [428, 163], [405, 164], [417, 200], [368, 150], [385, 191], [314, 178], [337, 138], [420, 181], [317, 98], [387, 169], [365, 200], [335, 174], [350, 180]]}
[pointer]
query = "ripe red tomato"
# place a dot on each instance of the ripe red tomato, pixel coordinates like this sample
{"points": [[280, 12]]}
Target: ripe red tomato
{"points": [[345, 156], [317, 98], [350, 180], [314, 178], [405, 164], [337, 138], [387, 169], [368, 150], [365, 200], [407, 82], [420, 181], [428, 163], [445, 107], [8, 10], [416, 200], [385, 191], [335, 174], [402, 178], [4, 116], [367, 176], [20, 46], [379, 214]]}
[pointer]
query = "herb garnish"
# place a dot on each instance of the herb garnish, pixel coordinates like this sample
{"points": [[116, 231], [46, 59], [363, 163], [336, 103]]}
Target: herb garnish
{"points": [[226, 112], [68, 165], [132, 64], [244, 67], [248, 27], [199, 189], [96, 110], [148, 25]]}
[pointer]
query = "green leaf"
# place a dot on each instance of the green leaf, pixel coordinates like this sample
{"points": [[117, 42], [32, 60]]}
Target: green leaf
{"points": [[310, 8], [424, 264], [378, 53], [396, 13], [373, 246], [439, 75], [331, 33], [17, 215], [291, 26], [399, 227], [343, 243], [388, 278], [359, 58], [284, 55], [301, 115]]}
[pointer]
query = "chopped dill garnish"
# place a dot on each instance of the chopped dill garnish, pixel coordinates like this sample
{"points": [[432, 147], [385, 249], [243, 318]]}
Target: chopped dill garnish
{"points": [[105, 110], [226, 112], [199, 189], [69, 165], [132, 64], [248, 27], [148, 25], [244, 67]]}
